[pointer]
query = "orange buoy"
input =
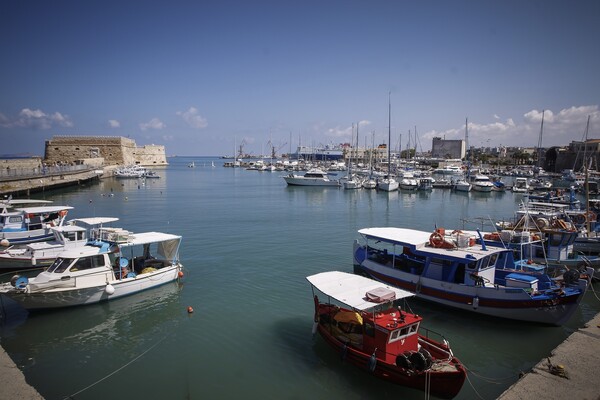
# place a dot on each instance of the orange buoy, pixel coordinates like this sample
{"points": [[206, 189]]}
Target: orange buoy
{"points": [[180, 274], [190, 309]]}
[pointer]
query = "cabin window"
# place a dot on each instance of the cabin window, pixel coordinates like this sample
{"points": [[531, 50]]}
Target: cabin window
{"points": [[60, 265], [82, 263], [403, 332], [16, 219]]}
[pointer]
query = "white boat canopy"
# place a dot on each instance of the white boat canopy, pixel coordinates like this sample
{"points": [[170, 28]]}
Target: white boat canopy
{"points": [[93, 220], [352, 289]]}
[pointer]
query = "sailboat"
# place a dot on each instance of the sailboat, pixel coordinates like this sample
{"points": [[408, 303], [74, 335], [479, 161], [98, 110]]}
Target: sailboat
{"points": [[192, 165], [352, 181], [388, 183], [370, 182], [462, 184]]}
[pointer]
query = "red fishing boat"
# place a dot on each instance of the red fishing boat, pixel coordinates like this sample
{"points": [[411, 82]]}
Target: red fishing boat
{"points": [[371, 331]]}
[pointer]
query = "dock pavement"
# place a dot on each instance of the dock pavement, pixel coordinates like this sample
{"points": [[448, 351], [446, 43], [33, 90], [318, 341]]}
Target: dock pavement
{"points": [[12, 381], [571, 374]]}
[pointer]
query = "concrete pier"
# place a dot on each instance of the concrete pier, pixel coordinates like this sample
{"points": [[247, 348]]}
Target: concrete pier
{"points": [[12, 381], [572, 373], [24, 187]]}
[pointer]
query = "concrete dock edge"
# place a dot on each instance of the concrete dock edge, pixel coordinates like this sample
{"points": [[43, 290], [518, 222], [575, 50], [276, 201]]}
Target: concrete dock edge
{"points": [[573, 374], [12, 381]]}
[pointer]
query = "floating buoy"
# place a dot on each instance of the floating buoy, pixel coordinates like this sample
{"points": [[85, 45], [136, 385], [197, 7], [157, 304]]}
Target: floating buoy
{"points": [[109, 289], [180, 274], [4, 242], [190, 310]]}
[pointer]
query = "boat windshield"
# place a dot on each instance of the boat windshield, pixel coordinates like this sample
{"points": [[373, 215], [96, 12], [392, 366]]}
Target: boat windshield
{"points": [[60, 265]]}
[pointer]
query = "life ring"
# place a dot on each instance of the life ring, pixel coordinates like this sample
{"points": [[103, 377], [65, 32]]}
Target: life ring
{"points": [[579, 219], [436, 239]]}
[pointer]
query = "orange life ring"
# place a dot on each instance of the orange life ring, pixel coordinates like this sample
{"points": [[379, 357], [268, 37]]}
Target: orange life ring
{"points": [[436, 239]]}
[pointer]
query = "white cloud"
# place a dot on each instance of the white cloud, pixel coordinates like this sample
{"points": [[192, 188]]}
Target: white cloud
{"points": [[346, 133], [113, 123], [36, 119], [154, 123], [192, 118], [496, 116], [560, 129]]}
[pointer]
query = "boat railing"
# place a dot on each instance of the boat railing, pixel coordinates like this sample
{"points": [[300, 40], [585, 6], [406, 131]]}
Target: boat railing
{"points": [[430, 340]]}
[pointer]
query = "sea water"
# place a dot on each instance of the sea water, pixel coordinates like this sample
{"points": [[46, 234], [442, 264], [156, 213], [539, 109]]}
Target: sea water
{"points": [[248, 243]]}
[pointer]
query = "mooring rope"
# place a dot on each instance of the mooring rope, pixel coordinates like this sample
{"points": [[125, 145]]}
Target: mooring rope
{"points": [[115, 371]]}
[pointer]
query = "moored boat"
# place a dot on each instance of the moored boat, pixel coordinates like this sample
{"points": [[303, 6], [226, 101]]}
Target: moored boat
{"points": [[370, 331], [30, 224], [38, 254], [113, 264], [451, 269], [313, 177]]}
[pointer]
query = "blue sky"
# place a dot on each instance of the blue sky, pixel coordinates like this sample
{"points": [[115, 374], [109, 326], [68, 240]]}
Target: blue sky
{"points": [[201, 77]]}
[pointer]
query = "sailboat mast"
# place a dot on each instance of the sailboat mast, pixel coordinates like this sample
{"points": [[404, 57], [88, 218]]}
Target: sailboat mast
{"points": [[539, 149], [389, 130]]}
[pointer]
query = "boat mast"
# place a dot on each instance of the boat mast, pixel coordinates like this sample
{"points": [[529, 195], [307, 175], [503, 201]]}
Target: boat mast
{"points": [[587, 182], [389, 130], [539, 149]]}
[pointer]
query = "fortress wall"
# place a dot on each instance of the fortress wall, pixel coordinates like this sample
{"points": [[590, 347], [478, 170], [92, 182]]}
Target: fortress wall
{"points": [[115, 150]]}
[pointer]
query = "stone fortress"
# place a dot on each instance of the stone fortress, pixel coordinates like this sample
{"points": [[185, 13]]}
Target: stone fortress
{"points": [[102, 151]]}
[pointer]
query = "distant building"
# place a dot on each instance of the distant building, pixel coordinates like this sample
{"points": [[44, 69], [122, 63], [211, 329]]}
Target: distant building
{"points": [[115, 150], [573, 156], [441, 148]]}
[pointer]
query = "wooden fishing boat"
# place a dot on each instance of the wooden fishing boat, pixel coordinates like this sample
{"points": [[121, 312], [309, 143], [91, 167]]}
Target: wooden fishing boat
{"points": [[371, 332]]}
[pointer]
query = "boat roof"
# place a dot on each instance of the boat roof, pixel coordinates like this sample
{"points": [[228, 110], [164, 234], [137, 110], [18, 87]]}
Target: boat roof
{"points": [[94, 220], [148, 237], [351, 289], [44, 209], [136, 239], [15, 202], [419, 240]]}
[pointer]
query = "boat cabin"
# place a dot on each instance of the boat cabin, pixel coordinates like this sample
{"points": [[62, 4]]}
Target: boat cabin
{"points": [[410, 251]]}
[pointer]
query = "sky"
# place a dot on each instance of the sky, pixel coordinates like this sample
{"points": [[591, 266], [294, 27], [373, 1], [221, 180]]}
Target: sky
{"points": [[203, 77]]}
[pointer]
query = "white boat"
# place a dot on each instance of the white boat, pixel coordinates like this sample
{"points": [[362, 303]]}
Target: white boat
{"points": [[449, 170], [387, 184], [482, 183], [369, 183], [426, 183], [352, 182], [520, 185], [38, 254], [408, 181], [192, 165], [462, 185], [313, 177], [116, 263], [30, 224], [453, 270]]}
